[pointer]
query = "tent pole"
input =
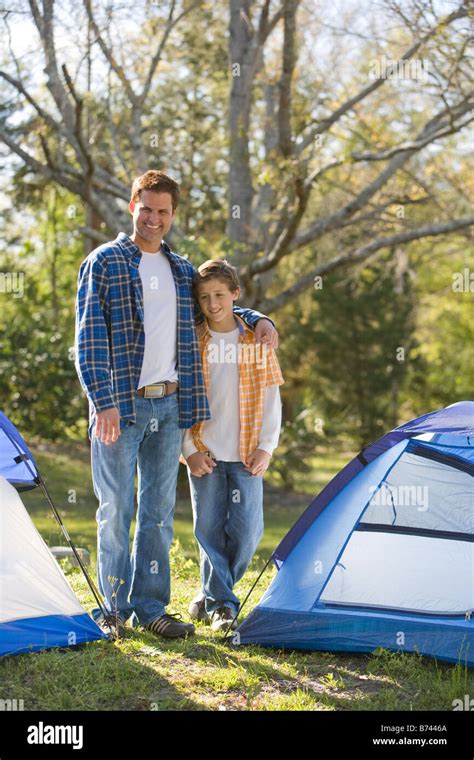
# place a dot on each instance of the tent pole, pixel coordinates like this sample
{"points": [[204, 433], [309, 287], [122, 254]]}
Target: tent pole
{"points": [[71, 544], [247, 597]]}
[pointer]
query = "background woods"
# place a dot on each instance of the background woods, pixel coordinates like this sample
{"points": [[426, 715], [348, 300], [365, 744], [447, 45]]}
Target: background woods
{"points": [[323, 147]]}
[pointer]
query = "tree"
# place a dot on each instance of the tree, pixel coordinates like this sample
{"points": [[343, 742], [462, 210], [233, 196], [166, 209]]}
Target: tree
{"points": [[38, 271], [363, 334], [312, 158]]}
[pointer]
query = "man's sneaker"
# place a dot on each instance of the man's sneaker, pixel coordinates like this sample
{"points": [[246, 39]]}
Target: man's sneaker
{"points": [[112, 625], [222, 619], [170, 626], [197, 608]]}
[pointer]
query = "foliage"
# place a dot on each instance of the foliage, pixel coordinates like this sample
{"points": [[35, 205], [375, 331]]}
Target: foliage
{"points": [[297, 447], [38, 381], [364, 353], [329, 201], [362, 331]]}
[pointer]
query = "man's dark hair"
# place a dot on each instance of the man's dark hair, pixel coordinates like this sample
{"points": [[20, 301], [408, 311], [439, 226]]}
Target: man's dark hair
{"points": [[158, 182]]}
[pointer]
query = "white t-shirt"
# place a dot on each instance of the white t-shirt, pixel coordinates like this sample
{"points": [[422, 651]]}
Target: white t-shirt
{"points": [[221, 434], [160, 319]]}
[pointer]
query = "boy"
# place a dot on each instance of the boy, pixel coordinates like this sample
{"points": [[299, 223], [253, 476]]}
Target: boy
{"points": [[228, 455]]}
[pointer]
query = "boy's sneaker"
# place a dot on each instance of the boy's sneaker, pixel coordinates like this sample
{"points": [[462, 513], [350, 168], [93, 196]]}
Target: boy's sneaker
{"points": [[222, 619], [197, 608], [170, 626], [112, 626]]}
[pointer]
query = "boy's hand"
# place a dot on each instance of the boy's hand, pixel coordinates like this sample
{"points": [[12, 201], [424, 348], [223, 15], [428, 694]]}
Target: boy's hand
{"points": [[266, 333], [200, 464], [107, 426], [258, 462]]}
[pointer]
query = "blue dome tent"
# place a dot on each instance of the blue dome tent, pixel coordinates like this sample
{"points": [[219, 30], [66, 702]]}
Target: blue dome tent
{"points": [[17, 464], [38, 608], [384, 555]]}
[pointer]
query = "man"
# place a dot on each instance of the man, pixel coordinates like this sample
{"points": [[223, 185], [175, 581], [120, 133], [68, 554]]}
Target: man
{"points": [[138, 361]]}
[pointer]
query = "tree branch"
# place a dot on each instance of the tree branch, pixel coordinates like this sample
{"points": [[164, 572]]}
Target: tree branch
{"points": [[108, 53], [326, 123], [78, 125], [44, 24], [266, 25], [95, 235], [322, 226], [46, 171], [285, 230], [103, 180], [170, 24], [413, 145], [19, 86], [359, 255]]}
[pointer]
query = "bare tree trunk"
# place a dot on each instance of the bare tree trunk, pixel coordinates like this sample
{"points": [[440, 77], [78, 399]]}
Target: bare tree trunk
{"points": [[240, 177], [52, 245]]}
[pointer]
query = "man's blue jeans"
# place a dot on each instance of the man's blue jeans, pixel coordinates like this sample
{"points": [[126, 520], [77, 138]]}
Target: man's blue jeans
{"points": [[228, 524], [138, 584]]}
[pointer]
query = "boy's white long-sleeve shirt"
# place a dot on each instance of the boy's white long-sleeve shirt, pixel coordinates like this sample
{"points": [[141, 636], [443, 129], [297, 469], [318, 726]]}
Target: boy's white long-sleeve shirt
{"points": [[221, 433]]}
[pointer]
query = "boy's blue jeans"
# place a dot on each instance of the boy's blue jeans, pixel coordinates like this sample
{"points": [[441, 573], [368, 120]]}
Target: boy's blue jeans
{"points": [[228, 524], [138, 584]]}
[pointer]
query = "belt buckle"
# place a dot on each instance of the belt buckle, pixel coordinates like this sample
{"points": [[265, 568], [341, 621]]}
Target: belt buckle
{"points": [[153, 392]]}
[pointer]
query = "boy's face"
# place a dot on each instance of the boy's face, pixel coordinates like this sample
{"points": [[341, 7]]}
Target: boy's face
{"points": [[217, 302]]}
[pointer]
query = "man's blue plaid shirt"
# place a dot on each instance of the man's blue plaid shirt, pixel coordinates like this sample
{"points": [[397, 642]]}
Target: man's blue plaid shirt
{"points": [[110, 338]]}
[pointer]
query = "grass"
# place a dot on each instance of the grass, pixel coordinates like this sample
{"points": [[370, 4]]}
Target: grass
{"points": [[143, 672]]}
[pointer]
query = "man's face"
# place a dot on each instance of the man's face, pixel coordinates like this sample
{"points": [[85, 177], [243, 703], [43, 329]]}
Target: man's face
{"points": [[153, 216]]}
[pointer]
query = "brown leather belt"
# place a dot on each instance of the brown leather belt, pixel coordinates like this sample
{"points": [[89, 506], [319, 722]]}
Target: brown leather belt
{"points": [[158, 390]]}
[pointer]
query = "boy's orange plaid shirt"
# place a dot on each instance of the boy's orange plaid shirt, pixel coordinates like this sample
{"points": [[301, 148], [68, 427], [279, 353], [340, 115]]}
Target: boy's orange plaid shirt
{"points": [[258, 368]]}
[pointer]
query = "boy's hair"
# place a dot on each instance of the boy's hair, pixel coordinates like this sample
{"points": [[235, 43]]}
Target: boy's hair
{"points": [[158, 182], [216, 269]]}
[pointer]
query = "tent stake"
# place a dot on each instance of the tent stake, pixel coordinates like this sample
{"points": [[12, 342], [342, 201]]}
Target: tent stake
{"points": [[247, 597]]}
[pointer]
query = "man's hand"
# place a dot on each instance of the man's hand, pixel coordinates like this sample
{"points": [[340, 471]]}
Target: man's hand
{"points": [[266, 333], [258, 462], [107, 426], [200, 464]]}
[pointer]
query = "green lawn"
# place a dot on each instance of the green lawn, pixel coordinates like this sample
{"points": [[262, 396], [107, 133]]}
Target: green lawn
{"points": [[143, 672], [66, 471]]}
